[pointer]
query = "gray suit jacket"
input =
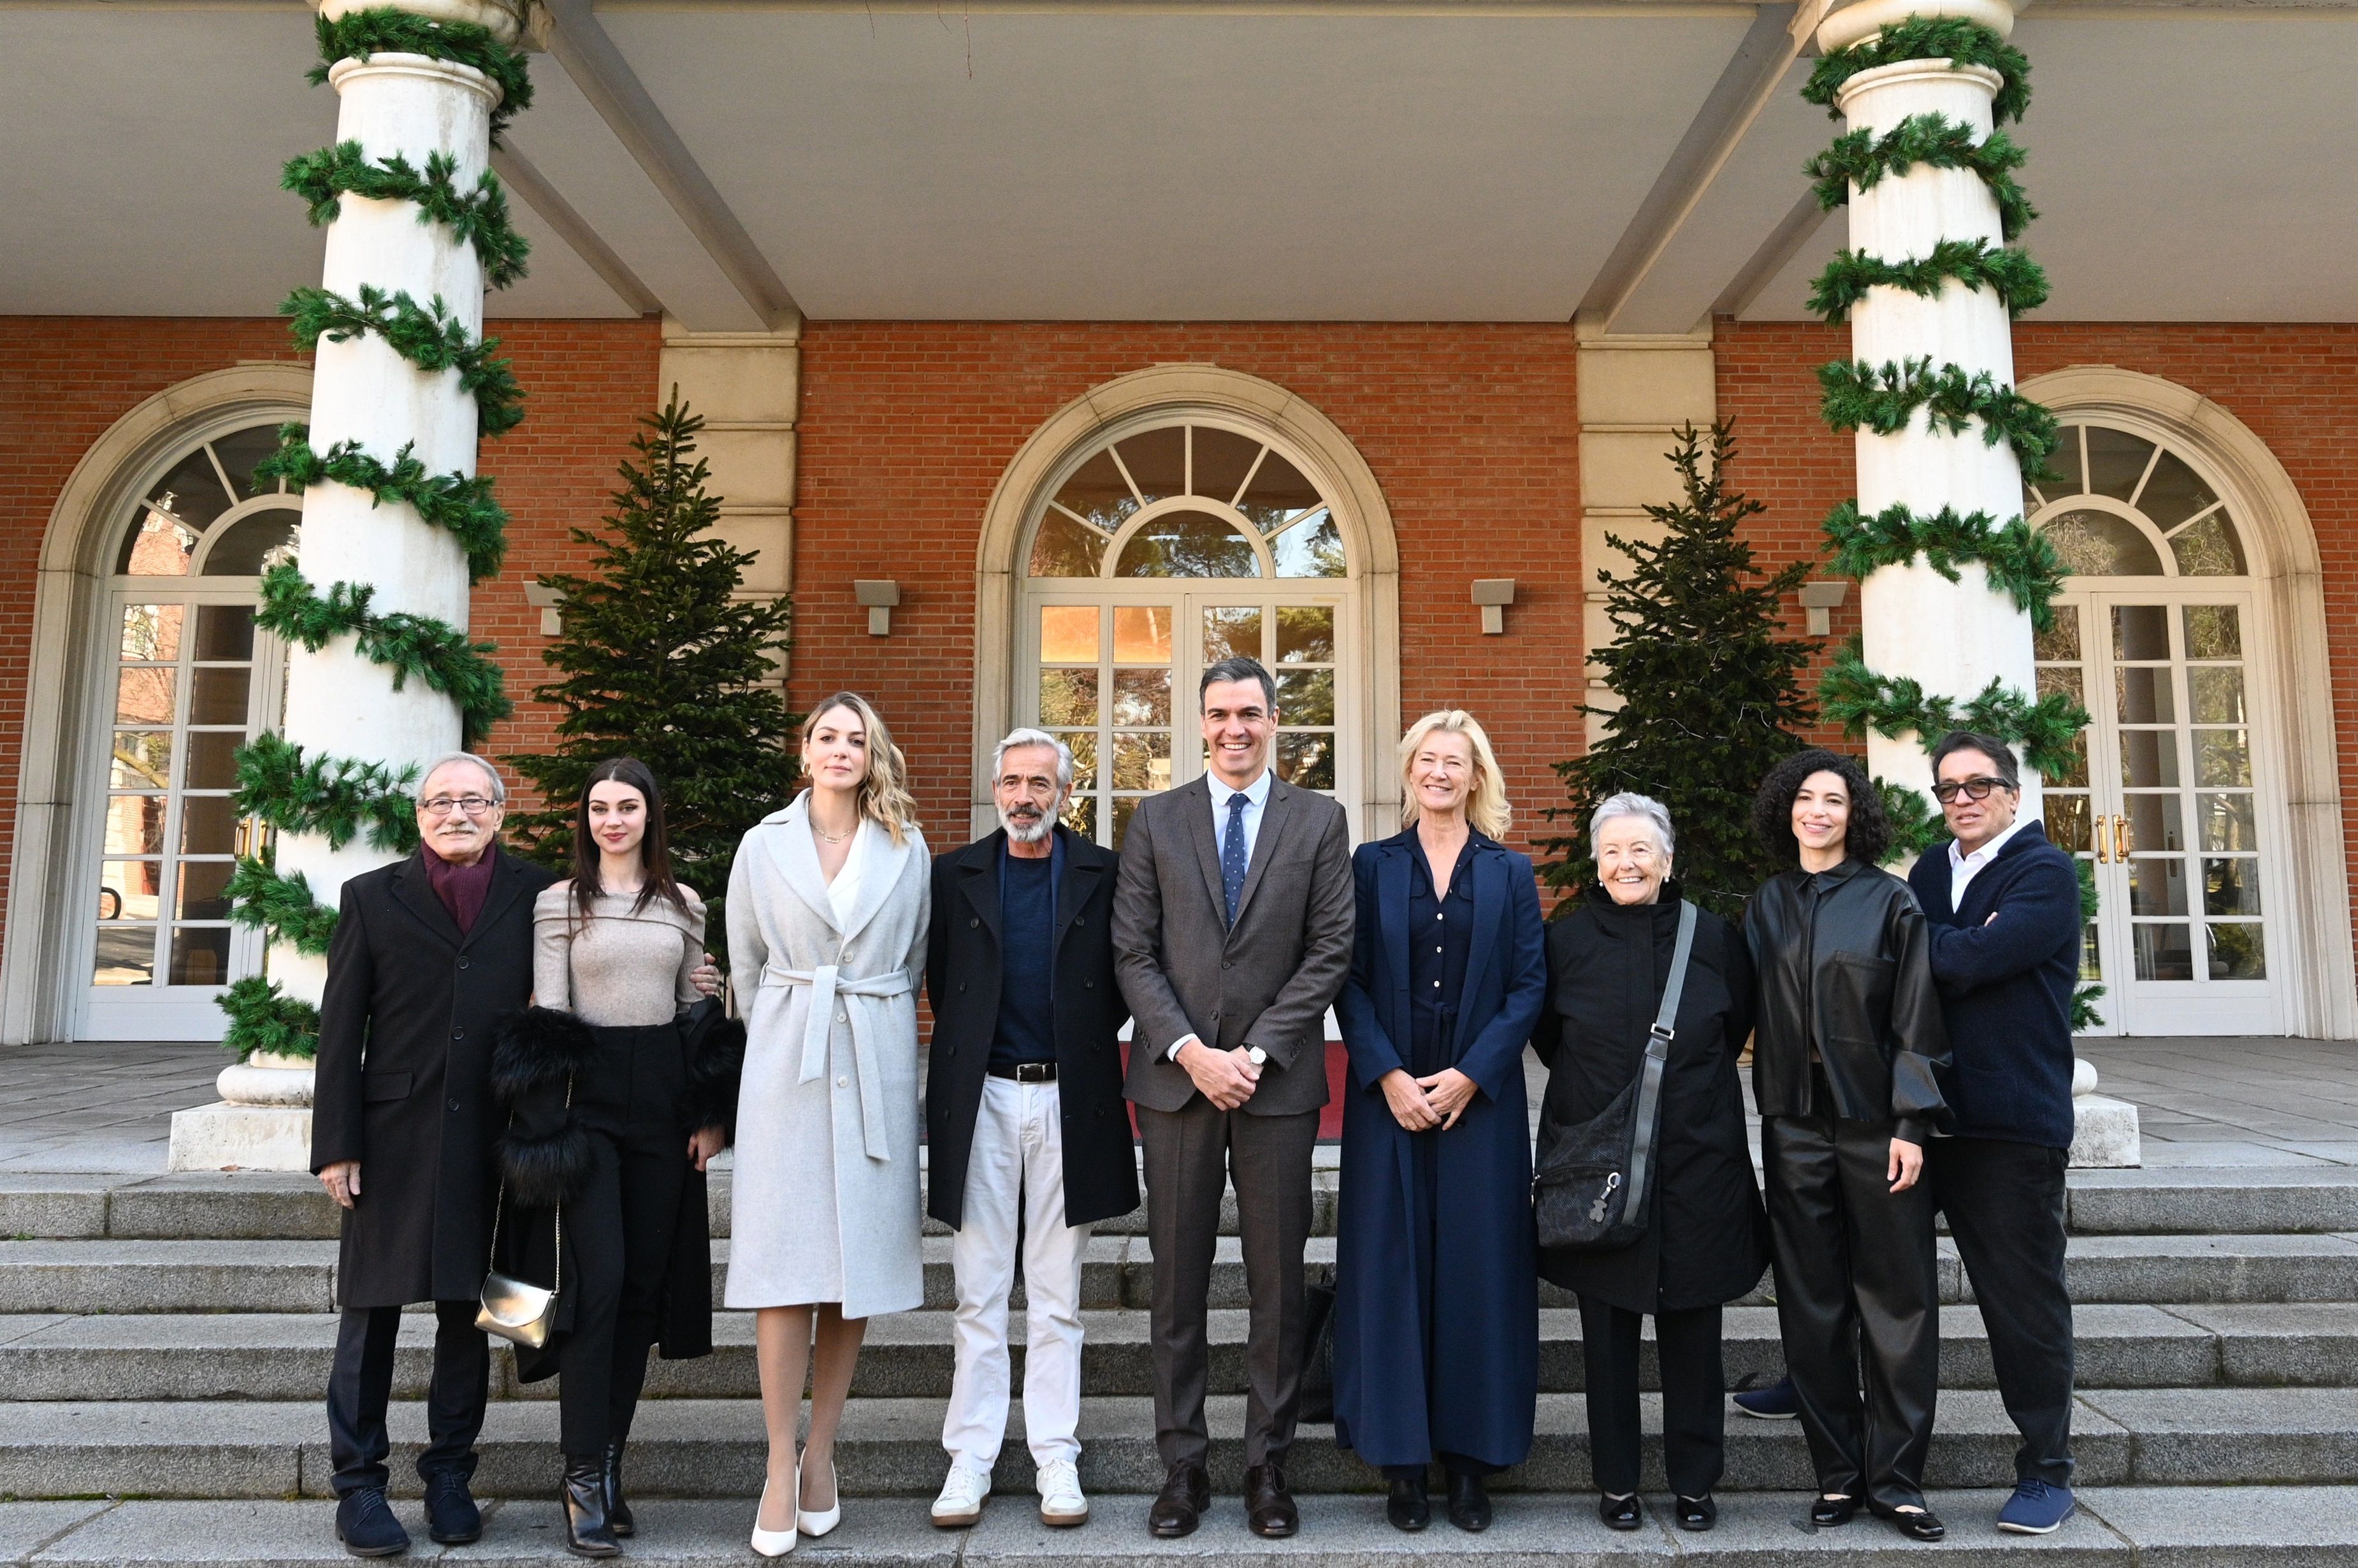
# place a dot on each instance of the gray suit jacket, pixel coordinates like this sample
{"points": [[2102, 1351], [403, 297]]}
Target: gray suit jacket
{"points": [[1267, 982]]}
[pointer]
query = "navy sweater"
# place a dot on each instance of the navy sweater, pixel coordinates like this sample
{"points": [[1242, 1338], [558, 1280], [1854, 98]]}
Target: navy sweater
{"points": [[2005, 986]]}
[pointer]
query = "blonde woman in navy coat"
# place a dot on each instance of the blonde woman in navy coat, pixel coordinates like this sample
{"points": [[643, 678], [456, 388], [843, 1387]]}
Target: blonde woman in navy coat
{"points": [[1436, 1306]]}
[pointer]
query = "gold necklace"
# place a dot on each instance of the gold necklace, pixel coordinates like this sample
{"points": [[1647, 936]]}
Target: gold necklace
{"points": [[833, 837]]}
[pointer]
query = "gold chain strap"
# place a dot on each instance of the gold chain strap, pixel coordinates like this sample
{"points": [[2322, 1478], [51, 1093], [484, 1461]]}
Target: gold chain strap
{"points": [[500, 1202]]}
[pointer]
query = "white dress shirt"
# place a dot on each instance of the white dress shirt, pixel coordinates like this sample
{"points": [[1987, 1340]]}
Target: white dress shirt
{"points": [[1964, 867], [1256, 798]]}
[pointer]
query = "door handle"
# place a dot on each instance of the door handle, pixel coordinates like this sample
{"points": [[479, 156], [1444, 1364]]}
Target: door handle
{"points": [[2102, 857], [2123, 842]]}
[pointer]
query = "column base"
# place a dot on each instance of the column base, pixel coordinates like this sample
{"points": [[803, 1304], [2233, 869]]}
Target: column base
{"points": [[2103, 1134], [222, 1136]]}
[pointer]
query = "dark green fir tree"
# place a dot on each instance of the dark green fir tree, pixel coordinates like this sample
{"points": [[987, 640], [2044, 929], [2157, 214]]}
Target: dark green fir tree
{"points": [[1711, 694], [662, 659]]}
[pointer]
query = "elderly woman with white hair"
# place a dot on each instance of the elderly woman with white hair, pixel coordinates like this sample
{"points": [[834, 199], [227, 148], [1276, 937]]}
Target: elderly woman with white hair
{"points": [[1705, 1237]]}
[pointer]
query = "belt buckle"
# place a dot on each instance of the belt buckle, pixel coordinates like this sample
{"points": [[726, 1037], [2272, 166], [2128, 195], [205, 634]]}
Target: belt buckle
{"points": [[1035, 1072]]}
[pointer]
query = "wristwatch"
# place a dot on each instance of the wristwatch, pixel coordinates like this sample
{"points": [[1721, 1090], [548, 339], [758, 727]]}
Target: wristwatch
{"points": [[1256, 1055]]}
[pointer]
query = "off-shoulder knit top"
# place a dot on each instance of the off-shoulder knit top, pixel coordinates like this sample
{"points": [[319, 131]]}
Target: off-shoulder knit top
{"points": [[612, 964]]}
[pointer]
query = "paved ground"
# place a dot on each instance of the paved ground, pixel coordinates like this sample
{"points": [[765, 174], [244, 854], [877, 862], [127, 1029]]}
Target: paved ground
{"points": [[2238, 1101]]}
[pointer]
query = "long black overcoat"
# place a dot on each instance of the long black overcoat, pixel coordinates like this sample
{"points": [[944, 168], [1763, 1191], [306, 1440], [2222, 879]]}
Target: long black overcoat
{"points": [[402, 1079], [962, 978], [1707, 1236]]}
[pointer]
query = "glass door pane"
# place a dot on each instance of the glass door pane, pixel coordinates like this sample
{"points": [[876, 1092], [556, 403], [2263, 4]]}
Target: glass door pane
{"points": [[2073, 813]]}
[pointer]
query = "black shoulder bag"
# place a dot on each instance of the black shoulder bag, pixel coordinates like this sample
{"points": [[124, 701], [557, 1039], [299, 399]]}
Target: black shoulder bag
{"points": [[1590, 1193]]}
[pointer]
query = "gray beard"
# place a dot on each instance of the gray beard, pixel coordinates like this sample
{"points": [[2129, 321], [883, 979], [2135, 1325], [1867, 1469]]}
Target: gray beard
{"points": [[1032, 835]]}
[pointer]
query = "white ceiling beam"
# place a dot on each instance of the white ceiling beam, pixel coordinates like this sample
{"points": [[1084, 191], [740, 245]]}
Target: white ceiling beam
{"points": [[533, 188], [591, 58]]}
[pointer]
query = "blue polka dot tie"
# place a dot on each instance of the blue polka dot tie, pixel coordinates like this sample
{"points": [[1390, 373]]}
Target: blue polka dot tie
{"points": [[1233, 856]]}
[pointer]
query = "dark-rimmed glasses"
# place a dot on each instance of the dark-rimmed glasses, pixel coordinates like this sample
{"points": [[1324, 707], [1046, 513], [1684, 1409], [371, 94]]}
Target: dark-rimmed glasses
{"points": [[1975, 788]]}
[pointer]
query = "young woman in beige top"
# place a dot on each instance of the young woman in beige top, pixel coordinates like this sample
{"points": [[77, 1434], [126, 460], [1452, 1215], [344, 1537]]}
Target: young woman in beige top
{"points": [[617, 948]]}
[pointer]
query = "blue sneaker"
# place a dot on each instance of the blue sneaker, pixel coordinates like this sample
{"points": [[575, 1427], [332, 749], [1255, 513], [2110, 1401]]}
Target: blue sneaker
{"points": [[2035, 1508], [1776, 1402]]}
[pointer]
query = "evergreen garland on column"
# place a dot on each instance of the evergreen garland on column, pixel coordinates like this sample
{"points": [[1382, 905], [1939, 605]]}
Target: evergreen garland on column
{"points": [[1711, 693], [662, 659]]}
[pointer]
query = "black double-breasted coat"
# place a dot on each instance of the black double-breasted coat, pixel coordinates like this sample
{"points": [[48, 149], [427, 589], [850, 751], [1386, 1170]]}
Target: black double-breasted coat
{"points": [[1706, 1240], [402, 1075], [962, 977]]}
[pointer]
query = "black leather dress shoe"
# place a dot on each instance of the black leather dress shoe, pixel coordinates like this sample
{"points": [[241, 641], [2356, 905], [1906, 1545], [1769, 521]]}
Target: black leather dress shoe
{"points": [[365, 1523], [1469, 1502], [1916, 1524], [618, 1512], [1827, 1512], [1187, 1493], [1409, 1508], [1270, 1512], [1697, 1513], [583, 1492], [451, 1516], [1620, 1513]]}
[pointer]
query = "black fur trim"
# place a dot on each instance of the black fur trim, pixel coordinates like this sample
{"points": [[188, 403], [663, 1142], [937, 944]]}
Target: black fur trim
{"points": [[714, 1072], [538, 1047], [542, 1173]]}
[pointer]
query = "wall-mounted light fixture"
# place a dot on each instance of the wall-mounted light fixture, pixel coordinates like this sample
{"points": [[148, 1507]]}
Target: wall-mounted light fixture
{"points": [[1820, 599], [879, 595], [550, 604], [1494, 594]]}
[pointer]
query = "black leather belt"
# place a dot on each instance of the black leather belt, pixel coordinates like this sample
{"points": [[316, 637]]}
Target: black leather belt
{"points": [[1027, 1072]]}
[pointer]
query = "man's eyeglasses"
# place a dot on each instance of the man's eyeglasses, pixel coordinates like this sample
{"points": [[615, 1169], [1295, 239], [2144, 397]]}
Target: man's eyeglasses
{"points": [[1977, 788], [443, 804]]}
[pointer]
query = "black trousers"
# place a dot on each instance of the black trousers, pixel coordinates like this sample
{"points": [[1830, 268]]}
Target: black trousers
{"points": [[361, 1385], [1857, 1303], [619, 1233], [2005, 1204], [1694, 1396]]}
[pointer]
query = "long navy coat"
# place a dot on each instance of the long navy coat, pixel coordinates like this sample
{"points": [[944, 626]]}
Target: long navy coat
{"points": [[1477, 1394]]}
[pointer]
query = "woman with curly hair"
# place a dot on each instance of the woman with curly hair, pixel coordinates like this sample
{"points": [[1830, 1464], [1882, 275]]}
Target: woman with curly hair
{"points": [[1848, 1055]]}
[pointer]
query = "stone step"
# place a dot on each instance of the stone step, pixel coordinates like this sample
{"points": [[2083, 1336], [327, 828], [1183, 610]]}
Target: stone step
{"points": [[2202, 1437], [135, 1276], [268, 1207], [272, 1356], [2116, 1527]]}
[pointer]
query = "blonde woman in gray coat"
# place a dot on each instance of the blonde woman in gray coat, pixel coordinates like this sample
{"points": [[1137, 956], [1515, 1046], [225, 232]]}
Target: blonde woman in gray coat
{"points": [[827, 909]]}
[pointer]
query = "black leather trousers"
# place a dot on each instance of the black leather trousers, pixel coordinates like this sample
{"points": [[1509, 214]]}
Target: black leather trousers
{"points": [[1857, 1301]]}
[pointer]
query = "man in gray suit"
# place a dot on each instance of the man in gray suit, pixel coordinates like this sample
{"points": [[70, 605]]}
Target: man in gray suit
{"points": [[1232, 934]]}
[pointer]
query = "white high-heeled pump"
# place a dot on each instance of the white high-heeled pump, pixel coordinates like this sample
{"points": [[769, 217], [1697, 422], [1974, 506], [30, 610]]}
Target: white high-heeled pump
{"points": [[778, 1542], [815, 1522]]}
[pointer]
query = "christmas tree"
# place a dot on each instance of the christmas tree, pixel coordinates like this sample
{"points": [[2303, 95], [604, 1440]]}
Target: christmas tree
{"points": [[662, 660], [1711, 696]]}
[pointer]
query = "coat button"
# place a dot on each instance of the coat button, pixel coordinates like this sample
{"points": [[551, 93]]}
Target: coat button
{"points": [[972, 922], [1086, 985], [961, 985], [841, 1019], [1228, 964], [843, 1083], [462, 963], [454, 1104], [458, 1035]]}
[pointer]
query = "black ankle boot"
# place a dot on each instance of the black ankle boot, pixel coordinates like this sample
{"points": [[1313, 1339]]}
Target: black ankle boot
{"points": [[587, 1533], [618, 1512]]}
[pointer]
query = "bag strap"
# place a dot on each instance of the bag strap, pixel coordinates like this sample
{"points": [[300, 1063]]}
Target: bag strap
{"points": [[1646, 1122]]}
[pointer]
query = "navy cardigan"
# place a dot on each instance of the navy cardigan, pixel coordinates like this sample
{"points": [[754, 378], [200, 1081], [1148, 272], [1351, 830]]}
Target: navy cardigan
{"points": [[2005, 986]]}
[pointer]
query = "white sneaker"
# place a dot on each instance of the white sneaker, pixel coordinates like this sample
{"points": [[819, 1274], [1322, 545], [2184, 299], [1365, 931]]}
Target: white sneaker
{"points": [[961, 1503], [1061, 1502]]}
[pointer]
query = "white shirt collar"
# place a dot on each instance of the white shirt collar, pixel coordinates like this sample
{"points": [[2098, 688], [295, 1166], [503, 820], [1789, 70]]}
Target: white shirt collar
{"points": [[1987, 852], [1256, 792]]}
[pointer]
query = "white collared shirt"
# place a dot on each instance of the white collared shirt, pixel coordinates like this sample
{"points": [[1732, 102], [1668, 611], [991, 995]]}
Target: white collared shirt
{"points": [[1964, 867], [1256, 795]]}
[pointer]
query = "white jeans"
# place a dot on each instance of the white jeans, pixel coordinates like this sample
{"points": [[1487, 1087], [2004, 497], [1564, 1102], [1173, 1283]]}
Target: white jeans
{"points": [[1017, 1158]]}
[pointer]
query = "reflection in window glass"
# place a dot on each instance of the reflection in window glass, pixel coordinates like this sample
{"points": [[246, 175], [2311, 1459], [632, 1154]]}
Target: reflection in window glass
{"points": [[2098, 544], [2158, 884], [201, 885], [2172, 494], [1157, 462], [1068, 696], [212, 759], [1068, 633], [134, 825], [1307, 760], [152, 631], [1305, 696], [1097, 493], [1064, 548], [1142, 634], [2166, 494], [208, 824], [2066, 820], [1278, 495], [2061, 641], [144, 696], [1222, 460], [1142, 762], [142, 760], [2209, 548], [2140, 632], [2237, 951], [253, 544], [2231, 886], [1305, 634], [2116, 461], [1187, 545], [2226, 822], [1310, 548], [2154, 822], [2164, 951], [1141, 697], [2223, 757], [2218, 693], [125, 957], [217, 692], [1231, 629], [130, 889], [2144, 695], [2149, 759], [2214, 631], [199, 956]]}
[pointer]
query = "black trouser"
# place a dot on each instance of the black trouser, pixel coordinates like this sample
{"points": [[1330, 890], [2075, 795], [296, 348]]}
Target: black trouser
{"points": [[361, 1384], [1694, 1396], [2005, 1204], [620, 1231], [1857, 1299]]}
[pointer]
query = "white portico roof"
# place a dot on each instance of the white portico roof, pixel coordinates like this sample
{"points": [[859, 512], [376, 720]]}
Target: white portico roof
{"points": [[731, 161]]}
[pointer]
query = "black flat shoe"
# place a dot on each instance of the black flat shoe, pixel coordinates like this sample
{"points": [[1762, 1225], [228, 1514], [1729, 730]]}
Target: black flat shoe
{"points": [[451, 1516], [1827, 1512], [1697, 1513], [1620, 1513], [1921, 1524], [1409, 1508], [1470, 1503], [365, 1523]]}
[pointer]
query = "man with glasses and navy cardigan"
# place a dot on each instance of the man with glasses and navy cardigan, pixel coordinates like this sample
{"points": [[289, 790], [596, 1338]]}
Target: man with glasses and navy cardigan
{"points": [[2003, 905]]}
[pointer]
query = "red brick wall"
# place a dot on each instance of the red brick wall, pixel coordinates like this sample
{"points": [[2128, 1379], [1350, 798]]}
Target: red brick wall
{"points": [[2295, 386], [1472, 432], [64, 380]]}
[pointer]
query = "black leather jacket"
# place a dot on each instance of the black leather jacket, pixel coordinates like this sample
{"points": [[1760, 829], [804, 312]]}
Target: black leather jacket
{"points": [[1844, 967]]}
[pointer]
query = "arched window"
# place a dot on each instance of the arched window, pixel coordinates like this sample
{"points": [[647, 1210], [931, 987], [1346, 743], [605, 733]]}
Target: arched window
{"points": [[2116, 504], [1161, 547], [194, 679]]}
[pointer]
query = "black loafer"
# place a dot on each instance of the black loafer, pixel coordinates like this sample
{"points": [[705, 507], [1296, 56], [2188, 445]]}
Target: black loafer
{"points": [[365, 1523], [1697, 1513], [1409, 1508], [1921, 1524], [1470, 1503], [1827, 1512], [1620, 1513]]}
